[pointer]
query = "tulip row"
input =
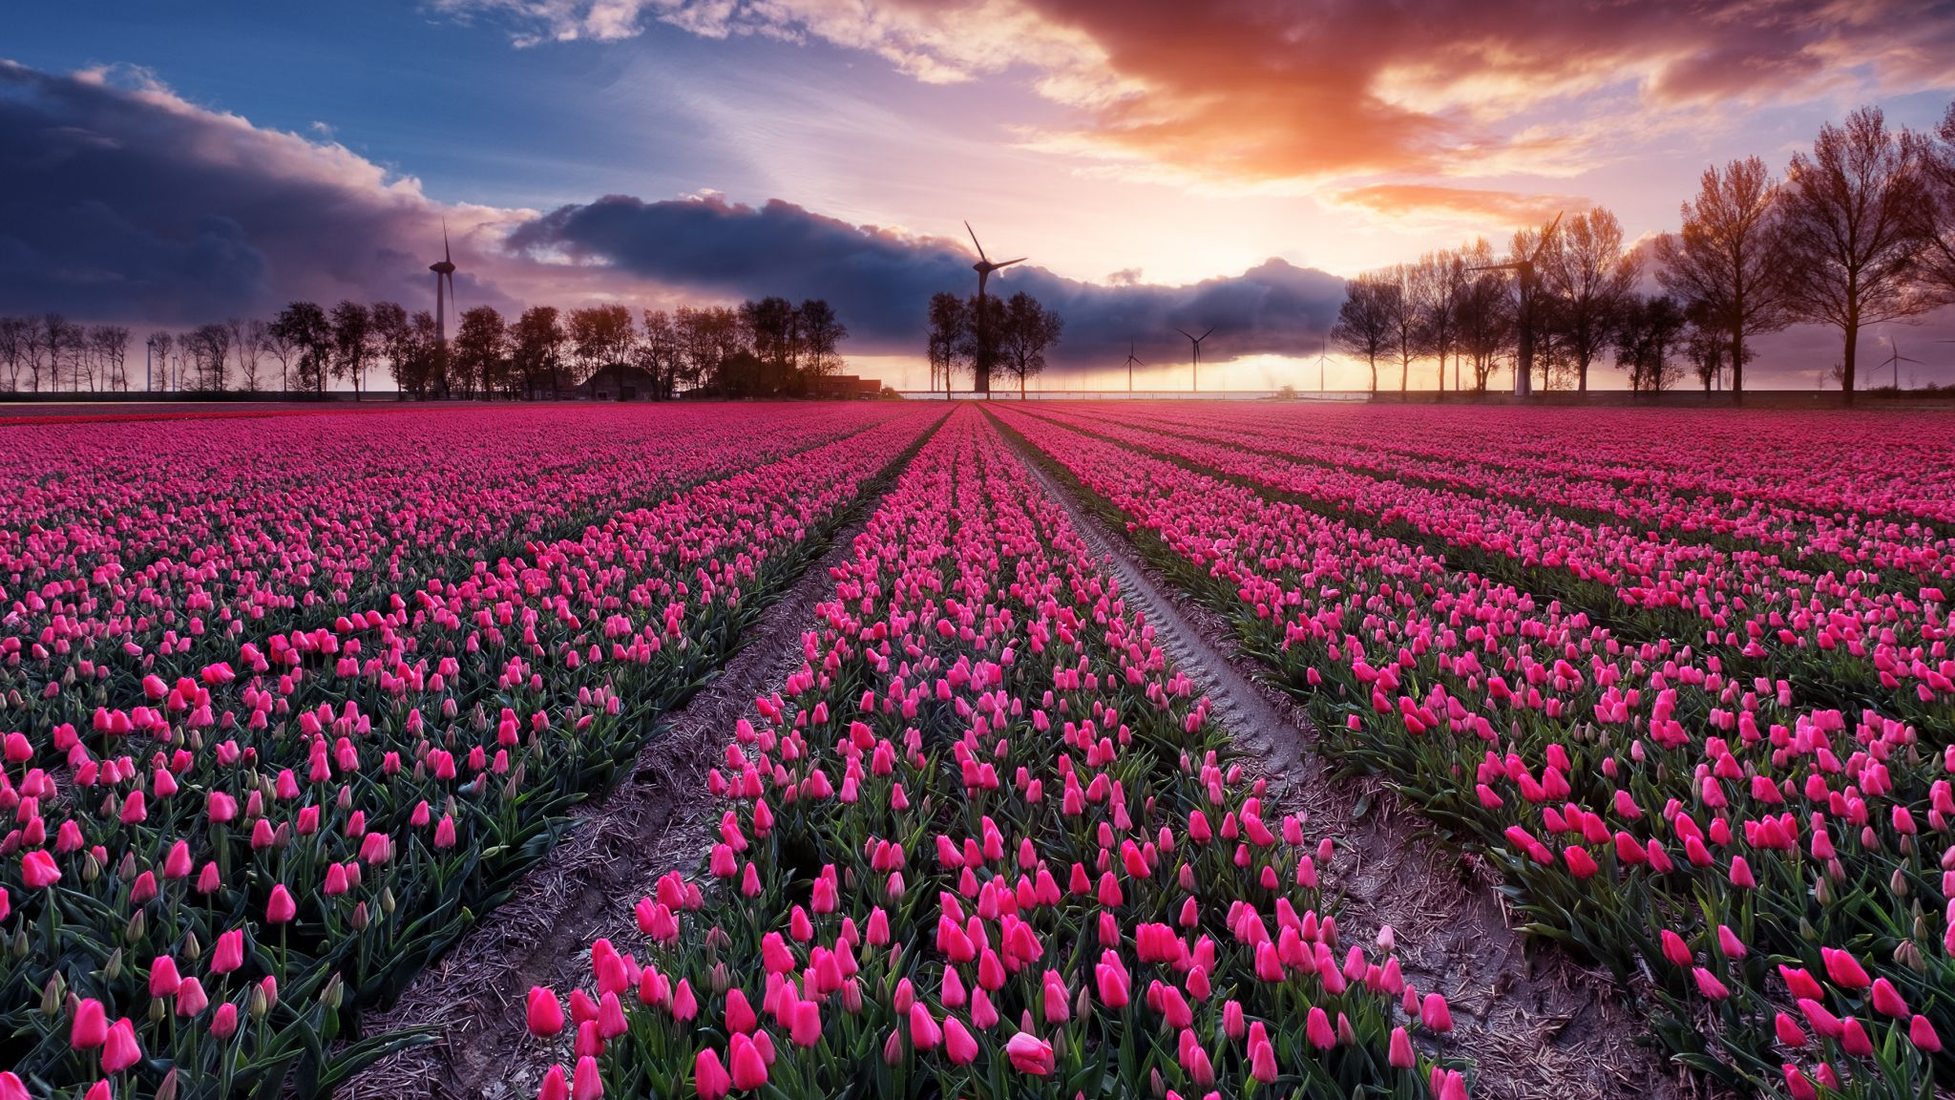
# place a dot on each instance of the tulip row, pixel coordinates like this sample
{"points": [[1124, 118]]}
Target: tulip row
{"points": [[987, 842], [1585, 477], [1776, 872], [214, 869], [1836, 641]]}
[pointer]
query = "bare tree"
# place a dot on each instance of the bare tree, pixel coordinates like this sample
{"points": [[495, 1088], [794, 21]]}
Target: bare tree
{"points": [[1486, 318], [14, 341], [45, 343], [352, 343], [1855, 231], [110, 345], [950, 320], [304, 328], [1438, 283], [209, 349], [277, 343], [1027, 332], [480, 356], [537, 353], [1403, 320], [659, 352], [156, 360], [599, 337], [393, 336], [1589, 274], [1729, 256], [247, 345], [1365, 320], [1938, 160], [821, 334], [1646, 335]]}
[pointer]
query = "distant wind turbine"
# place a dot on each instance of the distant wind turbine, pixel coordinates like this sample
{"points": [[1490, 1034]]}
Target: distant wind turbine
{"points": [[1895, 360], [444, 292], [984, 267], [1194, 385], [1323, 351], [1131, 364], [1525, 269]]}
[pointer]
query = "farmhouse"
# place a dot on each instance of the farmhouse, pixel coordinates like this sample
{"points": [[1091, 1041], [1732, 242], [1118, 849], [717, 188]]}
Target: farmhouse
{"points": [[619, 382]]}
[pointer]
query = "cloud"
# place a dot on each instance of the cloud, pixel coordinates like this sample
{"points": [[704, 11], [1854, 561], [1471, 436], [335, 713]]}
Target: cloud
{"points": [[1315, 89], [879, 278], [1459, 205], [125, 202]]}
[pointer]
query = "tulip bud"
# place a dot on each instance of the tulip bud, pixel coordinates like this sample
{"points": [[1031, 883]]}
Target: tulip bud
{"points": [[360, 919], [133, 930], [52, 994], [112, 969], [167, 1090], [334, 993], [1908, 954], [892, 1048], [192, 949], [1897, 883], [1822, 893], [91, 868]]}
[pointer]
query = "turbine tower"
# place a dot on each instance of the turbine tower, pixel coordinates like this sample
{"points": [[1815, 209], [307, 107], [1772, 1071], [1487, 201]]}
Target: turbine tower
{"points": [[984, 267], [1525, 269], [1323, 351], [444, 292], [1194, 384], [1131, 364]]}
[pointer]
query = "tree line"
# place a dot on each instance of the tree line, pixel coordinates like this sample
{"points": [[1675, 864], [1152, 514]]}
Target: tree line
{"points": [[1859, 231], [762, 348], [988, 336]]}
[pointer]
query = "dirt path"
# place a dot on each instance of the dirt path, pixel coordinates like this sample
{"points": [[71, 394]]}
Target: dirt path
{"points": [[1536, 1025], [653, 821]]}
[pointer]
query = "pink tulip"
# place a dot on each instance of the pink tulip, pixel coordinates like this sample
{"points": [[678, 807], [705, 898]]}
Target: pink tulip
{"points": [[1032, 1055]]}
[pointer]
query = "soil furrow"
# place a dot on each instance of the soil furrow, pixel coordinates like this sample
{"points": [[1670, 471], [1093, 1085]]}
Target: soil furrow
{"points": [[1535, 1024], [655, 820]]}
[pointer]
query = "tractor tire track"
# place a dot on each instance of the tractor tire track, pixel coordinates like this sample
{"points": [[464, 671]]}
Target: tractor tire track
{"points": [[1536, 1026]]}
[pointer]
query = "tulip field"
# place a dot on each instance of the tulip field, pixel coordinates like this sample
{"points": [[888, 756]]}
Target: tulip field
{"points": [[288, 703]]}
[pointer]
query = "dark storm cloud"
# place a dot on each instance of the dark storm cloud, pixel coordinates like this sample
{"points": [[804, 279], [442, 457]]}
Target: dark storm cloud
{"points": [[123, 202], [879, 279]]}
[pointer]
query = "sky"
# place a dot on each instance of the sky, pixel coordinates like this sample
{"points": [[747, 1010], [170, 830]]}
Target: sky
{"points": [[1163, 163]]}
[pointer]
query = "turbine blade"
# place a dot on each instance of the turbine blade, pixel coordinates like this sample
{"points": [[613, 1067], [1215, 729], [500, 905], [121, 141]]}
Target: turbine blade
{"points": [[446, 256], [974, 240], [1008, 263], [1546, 236], [1204, 335], [1185, 332]]}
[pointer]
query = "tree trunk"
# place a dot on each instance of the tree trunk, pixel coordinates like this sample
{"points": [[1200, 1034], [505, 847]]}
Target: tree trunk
{"points": [[1737, 359], [1846, 364]]}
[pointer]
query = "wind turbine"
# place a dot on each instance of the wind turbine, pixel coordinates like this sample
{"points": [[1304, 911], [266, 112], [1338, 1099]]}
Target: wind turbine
{"points": [[1194, 383], [1895, 360], [1524, 269], [1323, 350], [984, 267], [444, 292], [1131, 364]]}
